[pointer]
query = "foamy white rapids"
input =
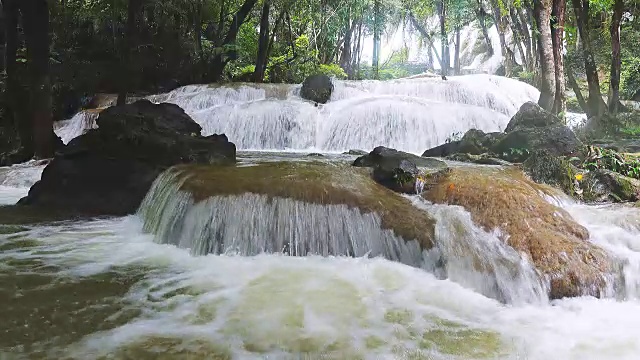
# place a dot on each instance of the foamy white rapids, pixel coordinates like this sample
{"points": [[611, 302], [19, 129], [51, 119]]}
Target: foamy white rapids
{"points": [[16, 180], [408, 114], [281, 307], [80, 123]]}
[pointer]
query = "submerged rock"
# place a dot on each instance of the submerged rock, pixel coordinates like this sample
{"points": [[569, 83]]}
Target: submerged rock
{"points": [[108, 170], [317, 88], [547, 235], [398, 170], [355, 152]]}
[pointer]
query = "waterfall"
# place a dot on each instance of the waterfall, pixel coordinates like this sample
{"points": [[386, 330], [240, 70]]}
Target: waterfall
{"points": [[407, 114], [80, 123], [479, 260], [251, 224]]}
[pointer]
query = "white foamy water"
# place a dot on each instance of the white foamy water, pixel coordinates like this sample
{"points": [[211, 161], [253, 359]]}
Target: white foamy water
{"points": [[408, 114], [16, 180], [286, 307]]}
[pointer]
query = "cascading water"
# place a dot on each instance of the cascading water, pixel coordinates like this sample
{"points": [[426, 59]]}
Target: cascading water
{"points": [[252, 224], [16, 180], [407, 114], [80, 123]]}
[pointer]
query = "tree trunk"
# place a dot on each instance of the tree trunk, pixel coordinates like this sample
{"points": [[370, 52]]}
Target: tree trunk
{"points": [[597, 107], [501, 26], [345, 56], [444, 37], [542, 12], [482, 16], [518, 37], [425, 34], [128, 68], [557, 32], [527, 38], [36, 30], [616, 59], [576, 89], [375, 63], [456, 56], [197, 34], [263, 44], [219, 62]]}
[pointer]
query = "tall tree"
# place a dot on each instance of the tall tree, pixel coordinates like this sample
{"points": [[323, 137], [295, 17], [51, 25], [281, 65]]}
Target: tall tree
{"points": [[542, 12], [377, 30], [263, 43], [616, 56], [596, 104], [557, 32], [444, 37]]}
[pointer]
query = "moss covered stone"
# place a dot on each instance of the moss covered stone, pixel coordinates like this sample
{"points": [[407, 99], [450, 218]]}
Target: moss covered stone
{"points": [[313, 182], [554, 243]]}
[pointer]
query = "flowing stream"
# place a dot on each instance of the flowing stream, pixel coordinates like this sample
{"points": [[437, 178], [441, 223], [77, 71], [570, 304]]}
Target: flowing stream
{"points": [[106, 289], [251, 277]]}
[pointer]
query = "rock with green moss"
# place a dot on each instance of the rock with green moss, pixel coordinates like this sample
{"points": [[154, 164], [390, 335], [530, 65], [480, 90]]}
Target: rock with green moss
{"points": [[605, 185], [482, 159], [545, 168]]}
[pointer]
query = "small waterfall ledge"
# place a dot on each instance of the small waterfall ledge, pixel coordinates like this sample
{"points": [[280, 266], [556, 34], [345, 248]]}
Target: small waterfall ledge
{"points": [[296, 209]]}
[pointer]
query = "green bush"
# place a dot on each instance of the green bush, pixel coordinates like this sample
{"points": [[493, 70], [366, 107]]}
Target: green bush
{"points": [[332, 70]]}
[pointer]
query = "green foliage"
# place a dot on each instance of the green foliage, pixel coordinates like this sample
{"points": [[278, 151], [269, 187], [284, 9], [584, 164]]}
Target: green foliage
{"points": [[630, 77], [332, 70], [610, 160]]}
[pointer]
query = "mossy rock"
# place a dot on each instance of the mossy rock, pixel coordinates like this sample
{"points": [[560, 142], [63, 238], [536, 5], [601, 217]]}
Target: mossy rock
{"points": [[606, 185], [545, 168], [555, 244], [312, 182]]}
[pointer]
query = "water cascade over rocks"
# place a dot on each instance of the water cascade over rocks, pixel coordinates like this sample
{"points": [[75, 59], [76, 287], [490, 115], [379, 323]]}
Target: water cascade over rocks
{"points": [[407, 114]]}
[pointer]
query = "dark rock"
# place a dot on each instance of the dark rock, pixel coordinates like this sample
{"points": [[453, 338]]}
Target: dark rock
{"points": [[482, 159], [473, 142], [382, 155], [398, 176], [315, 155], [355, 152], [397, 170], [557, 139], [317, 88], [108, 170], [531, 115]]}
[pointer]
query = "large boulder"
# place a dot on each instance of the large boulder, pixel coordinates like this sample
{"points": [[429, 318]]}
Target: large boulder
{"points": [[474, 142], [108, 170], [556, 245], [317, 88], [533, 128], [398, 170]]}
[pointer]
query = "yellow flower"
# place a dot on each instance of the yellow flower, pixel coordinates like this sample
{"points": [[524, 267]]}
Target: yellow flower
{"points": [[579, 177]]}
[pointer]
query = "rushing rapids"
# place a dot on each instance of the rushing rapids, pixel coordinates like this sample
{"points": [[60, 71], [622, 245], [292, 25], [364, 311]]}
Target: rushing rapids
{"points": [[106, 289], [407, 114]]}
